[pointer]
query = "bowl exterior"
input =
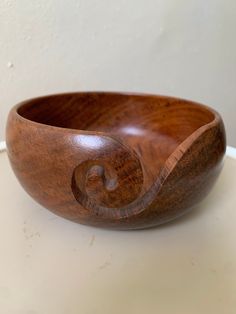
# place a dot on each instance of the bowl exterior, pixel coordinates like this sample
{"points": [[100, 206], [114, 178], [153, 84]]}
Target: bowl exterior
{"points": [[47, 162]]}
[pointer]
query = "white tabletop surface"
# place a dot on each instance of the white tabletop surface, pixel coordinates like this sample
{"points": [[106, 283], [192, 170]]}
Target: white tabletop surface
{"points": [[52, 266]]}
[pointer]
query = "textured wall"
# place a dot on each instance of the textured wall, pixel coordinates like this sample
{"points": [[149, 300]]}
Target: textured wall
{"points": [[184, 48]]}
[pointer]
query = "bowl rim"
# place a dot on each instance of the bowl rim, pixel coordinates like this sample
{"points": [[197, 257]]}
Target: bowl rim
{"points": [[15, 108]]}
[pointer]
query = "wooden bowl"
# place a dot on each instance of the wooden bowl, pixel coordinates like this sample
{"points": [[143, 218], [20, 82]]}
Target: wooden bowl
{"points": [[115, 160]]}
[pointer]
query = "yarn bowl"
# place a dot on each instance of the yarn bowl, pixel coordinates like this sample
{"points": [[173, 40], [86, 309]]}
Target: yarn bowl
{"points": [[115, 160]]}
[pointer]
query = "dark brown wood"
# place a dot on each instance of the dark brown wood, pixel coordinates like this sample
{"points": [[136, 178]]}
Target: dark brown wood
{"points": [[115, 160]]}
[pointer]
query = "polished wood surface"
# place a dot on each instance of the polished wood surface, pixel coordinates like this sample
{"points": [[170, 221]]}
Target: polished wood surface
{"points": [[116, 160]]}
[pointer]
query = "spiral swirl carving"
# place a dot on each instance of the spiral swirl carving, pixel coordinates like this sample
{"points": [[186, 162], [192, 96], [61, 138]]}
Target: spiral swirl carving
{"points": [[110, 178]]}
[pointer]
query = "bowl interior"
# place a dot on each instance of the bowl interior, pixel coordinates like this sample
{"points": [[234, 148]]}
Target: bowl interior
{"points": [[151, 125]]}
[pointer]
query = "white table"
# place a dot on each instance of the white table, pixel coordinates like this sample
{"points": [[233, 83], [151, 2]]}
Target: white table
{"points": [[52, 266]]}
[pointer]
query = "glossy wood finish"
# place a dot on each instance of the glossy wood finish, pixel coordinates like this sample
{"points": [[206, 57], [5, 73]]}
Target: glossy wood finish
{"points": [[115, 160]]}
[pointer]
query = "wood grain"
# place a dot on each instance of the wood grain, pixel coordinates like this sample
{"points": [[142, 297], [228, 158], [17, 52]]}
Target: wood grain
{"points": [[115, 160]]}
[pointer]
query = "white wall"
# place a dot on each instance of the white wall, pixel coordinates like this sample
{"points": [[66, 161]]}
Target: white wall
{"points": [[183, 48]]}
